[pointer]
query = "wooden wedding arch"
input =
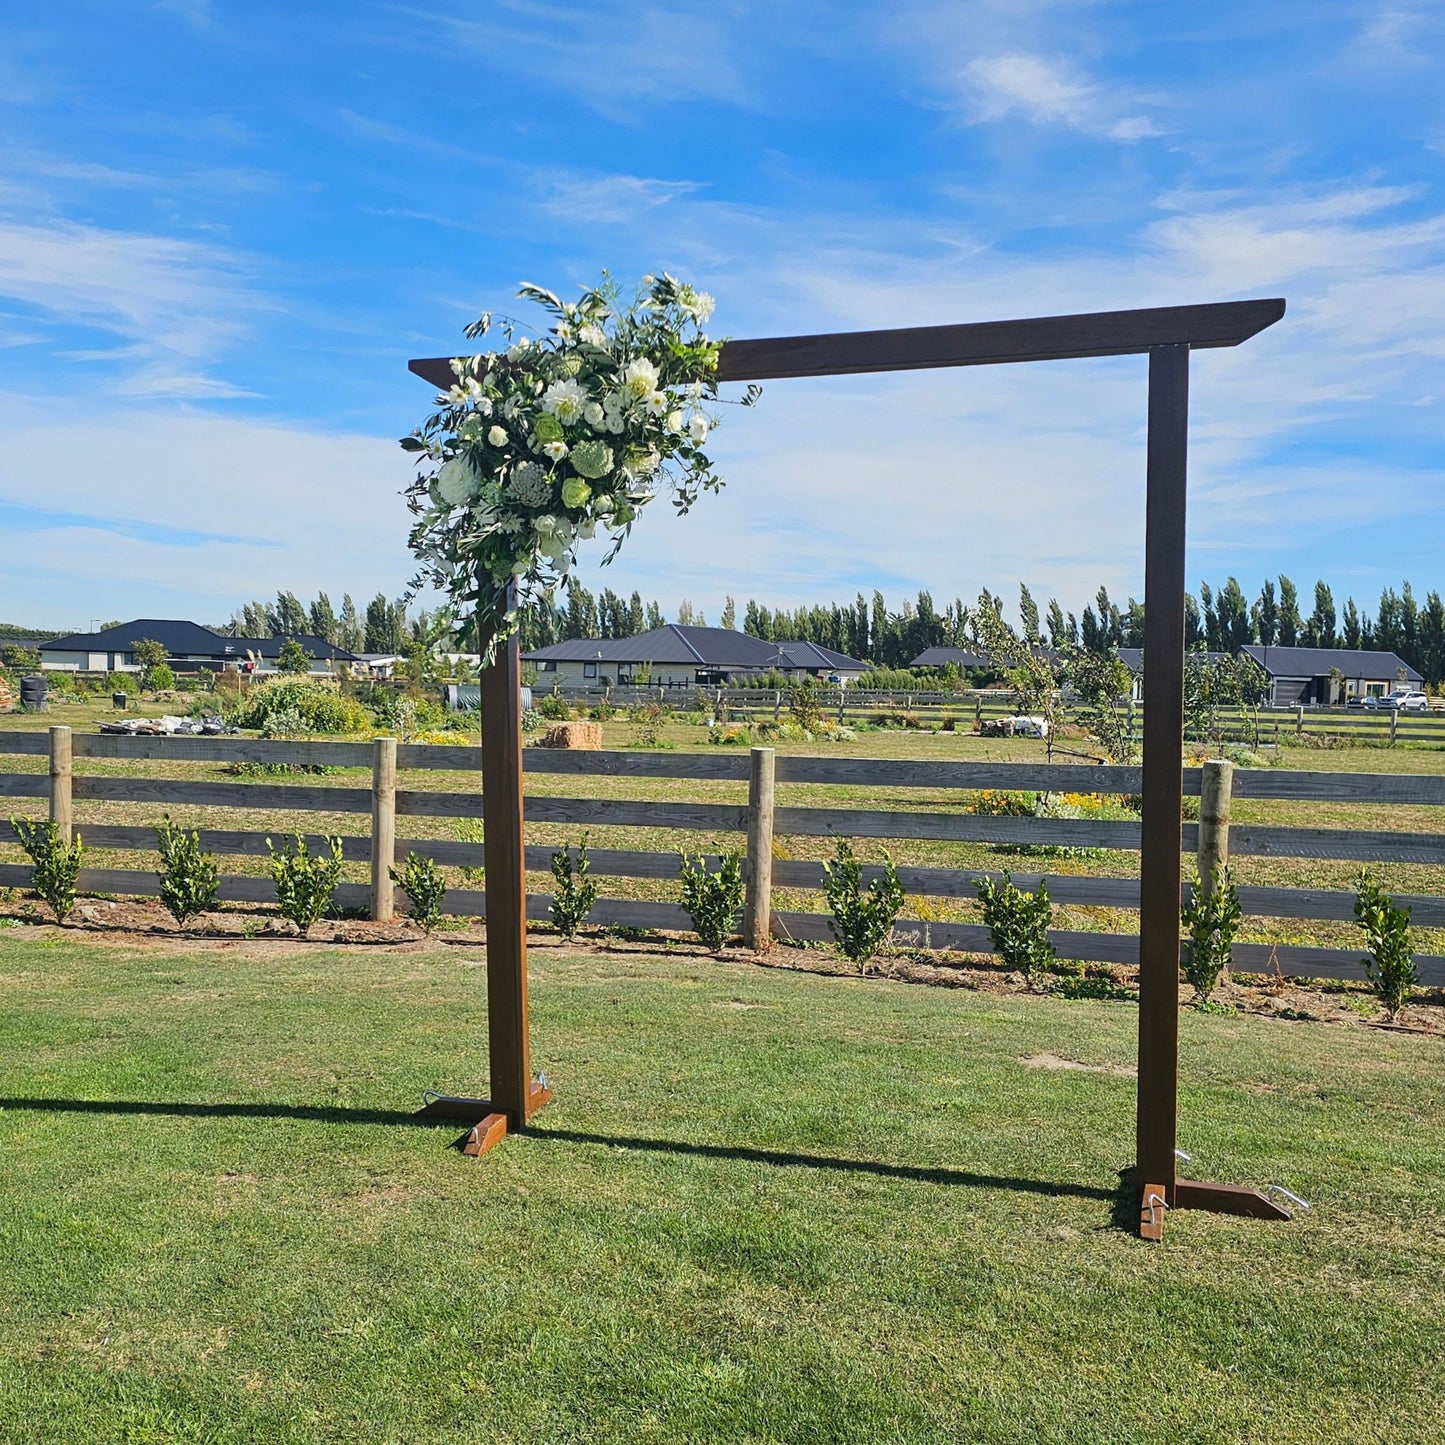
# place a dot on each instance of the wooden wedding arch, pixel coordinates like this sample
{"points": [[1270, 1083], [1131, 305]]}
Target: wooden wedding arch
{"points": [[1166, 335]]}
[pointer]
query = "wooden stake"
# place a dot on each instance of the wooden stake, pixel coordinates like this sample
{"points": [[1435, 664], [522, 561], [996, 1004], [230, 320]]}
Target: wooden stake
{"points": [[61, 813], [758, 907], [1216, 786], [383, 828]]}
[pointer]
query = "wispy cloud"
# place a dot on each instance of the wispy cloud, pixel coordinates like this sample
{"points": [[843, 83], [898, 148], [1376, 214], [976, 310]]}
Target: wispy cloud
{"points": [[1048, 92], [608, 200], [175, 305]]}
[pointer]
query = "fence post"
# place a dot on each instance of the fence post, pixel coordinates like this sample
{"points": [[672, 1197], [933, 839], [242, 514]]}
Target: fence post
{"points": [[383, 828], [1394, 722], [1216, 787], [1299, 717], [60, 790], [758, 902], [777, 703], [978, 711]]}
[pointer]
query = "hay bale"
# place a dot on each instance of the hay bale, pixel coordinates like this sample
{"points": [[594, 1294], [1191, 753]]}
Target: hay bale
{"points": [[583, 735]]}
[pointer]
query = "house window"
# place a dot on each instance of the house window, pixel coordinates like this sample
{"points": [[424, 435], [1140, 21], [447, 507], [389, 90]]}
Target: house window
{"points": [[549, 666], [589, 669]]}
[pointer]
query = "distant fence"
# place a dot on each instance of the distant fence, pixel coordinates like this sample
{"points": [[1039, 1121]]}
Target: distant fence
{"points": [[970, 709], [761, 817]]}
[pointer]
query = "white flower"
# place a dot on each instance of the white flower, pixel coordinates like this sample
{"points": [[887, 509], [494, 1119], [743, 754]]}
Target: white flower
{"points": [[602, 505], [674, 421], [639, 378], [655, 402], [565, 400], [587, 530], [456, 482], [554, 450], [483, 404], [509, 407], [702, 305], [518, 349], [592, 335], [546, 526], [697, 429], [594, 416], [614, 403], [497, 437], [615, 424]]}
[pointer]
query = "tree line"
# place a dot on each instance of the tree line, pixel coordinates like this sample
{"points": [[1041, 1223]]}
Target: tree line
{"points": [[1217, 619]]}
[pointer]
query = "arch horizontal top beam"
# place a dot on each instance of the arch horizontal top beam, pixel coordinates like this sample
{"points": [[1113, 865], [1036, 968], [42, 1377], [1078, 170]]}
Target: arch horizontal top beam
{"points": [[977, 343]]}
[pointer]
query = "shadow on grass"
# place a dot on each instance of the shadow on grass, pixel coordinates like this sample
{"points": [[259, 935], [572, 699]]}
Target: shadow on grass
{"points": [[780, 1158]]}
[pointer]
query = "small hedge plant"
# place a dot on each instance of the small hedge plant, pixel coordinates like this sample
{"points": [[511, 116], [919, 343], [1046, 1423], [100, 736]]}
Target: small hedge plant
{"points": [[862, 922], [1390, 966], [575, 893], [422, 882], [1212, 917], [304, 883], [712, 900], [1018, 924], [56, 863], [189, 879]]}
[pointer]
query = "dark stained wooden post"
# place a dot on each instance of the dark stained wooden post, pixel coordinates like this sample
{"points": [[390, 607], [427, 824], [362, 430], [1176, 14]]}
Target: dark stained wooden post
{"points": [[1160, 866], [501, 717]]}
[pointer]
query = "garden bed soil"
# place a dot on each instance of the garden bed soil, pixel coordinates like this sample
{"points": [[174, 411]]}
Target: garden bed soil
{"points": [[144, 923]]}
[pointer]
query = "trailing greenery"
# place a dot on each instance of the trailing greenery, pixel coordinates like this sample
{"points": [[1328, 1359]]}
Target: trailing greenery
{"points": [[305, 883], [1018, 924], [421, 880], [1212, 917], [190, 883], [712, 900], [862, 922], [56, 864], [575, 892], [1390, 966]]}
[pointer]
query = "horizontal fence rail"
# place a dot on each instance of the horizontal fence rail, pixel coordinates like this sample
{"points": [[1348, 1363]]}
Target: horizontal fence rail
{"points": [[945, 822]]}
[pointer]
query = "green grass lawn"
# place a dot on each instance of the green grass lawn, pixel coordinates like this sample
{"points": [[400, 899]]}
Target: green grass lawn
{"points": [[763, 1206]]}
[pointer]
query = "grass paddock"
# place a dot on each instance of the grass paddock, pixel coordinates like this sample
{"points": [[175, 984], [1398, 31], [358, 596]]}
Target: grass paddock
{"points": [[764, 1206]]}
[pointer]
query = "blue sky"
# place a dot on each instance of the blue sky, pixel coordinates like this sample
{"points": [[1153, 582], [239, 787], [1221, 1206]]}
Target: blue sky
{"points": [[224, 226]]}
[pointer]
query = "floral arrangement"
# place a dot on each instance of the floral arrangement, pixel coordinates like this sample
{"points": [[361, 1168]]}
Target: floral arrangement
{"points": [[535, 449]]}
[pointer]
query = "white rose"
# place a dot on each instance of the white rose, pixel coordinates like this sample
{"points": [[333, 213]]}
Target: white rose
{"points": [[697, 429], [594, 416], [615, 424], [497, 437], [456, 482], [674, 421]]}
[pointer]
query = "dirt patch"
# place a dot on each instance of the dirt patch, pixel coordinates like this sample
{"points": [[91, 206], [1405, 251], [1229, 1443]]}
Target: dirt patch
{"points": [[1057, 1061]]}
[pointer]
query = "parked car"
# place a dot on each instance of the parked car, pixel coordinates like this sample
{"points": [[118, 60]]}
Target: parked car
{"points": [[1407, 701], [1370, 700]]}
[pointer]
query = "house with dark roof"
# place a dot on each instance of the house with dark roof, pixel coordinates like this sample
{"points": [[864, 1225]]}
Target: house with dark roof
{"points": [[678, 655], [189, 648], [963, 658], [1329, 674]]}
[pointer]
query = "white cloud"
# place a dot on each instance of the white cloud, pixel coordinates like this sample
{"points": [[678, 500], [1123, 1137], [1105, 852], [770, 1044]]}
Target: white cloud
{"points": [[608, 200], [176, 304], [1050, 93], [275, 506]]}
